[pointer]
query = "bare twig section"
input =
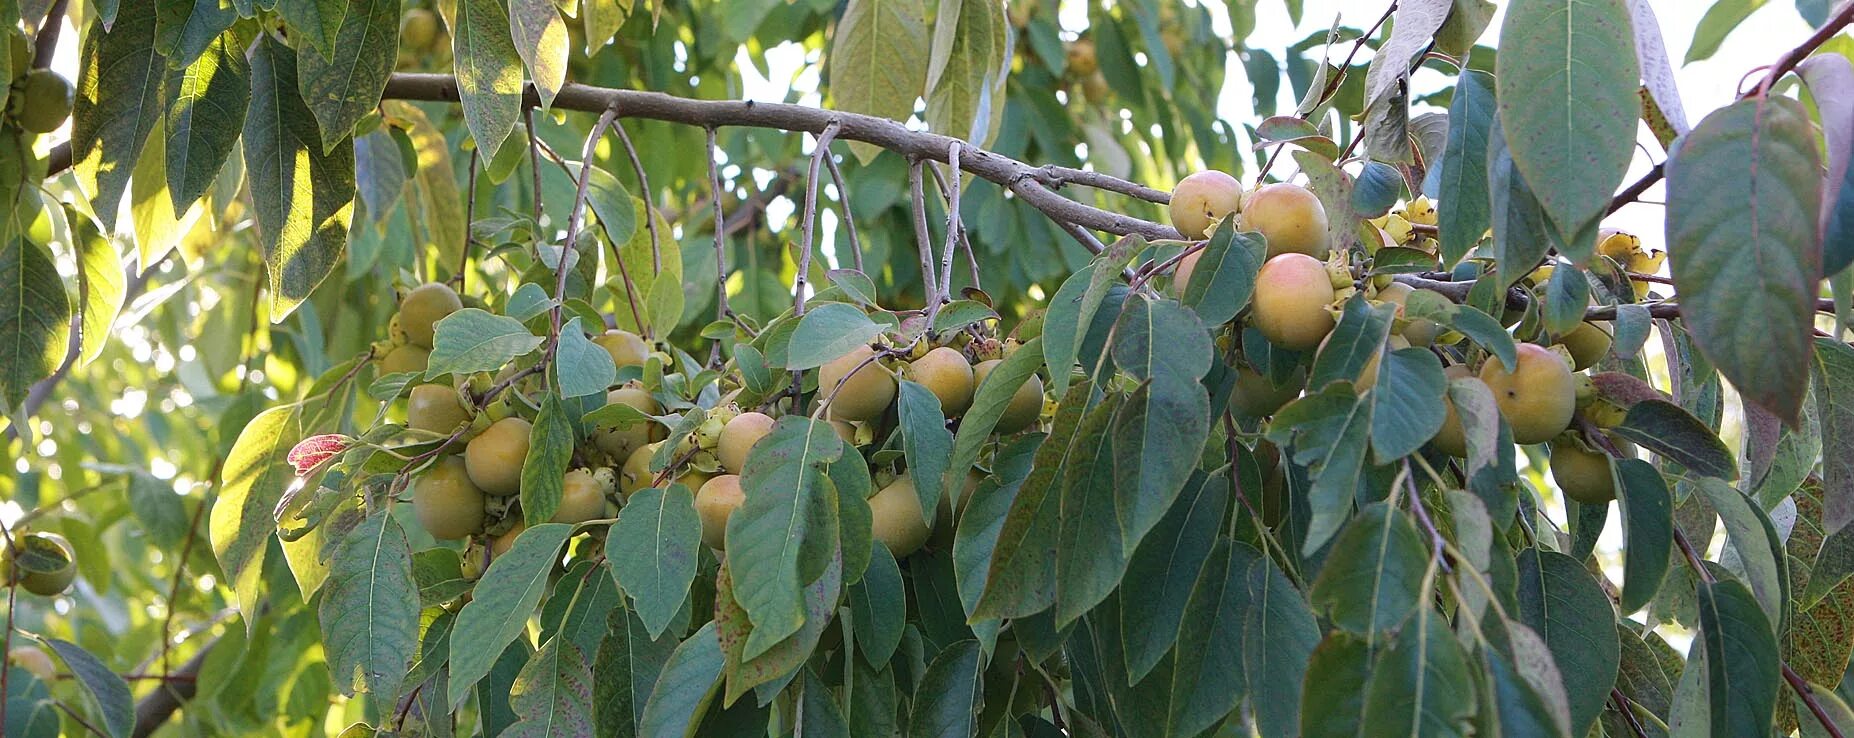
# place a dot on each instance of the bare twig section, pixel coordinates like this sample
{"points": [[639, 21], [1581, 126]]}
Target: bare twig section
{"points": [[722, 311], [1436, 543], [1807, 694], [1056, 177], [1331, 87], [463, 258], [534, 162], [955, 229], [576, 220], [1621, 702], [650, 199], [809, 228], [46, 42], [923, 241], [843, 203]]}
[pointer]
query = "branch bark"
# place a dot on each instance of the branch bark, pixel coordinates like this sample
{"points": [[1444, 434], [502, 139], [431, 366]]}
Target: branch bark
{"points": [[156, 707]]}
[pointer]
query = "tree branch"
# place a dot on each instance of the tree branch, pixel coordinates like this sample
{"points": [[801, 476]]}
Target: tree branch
{"points": [[157, 706]]}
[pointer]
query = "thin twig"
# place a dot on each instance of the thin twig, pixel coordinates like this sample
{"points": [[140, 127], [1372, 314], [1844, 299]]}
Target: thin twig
{"points": [[1807, 693], [1422, 516], [463, 259], [843, 201], [534, 162], [953, 230], [722, 312], [643, 185], [1628, 715], [923, 241], [1334, 82], [819, 153], [45, 43]]}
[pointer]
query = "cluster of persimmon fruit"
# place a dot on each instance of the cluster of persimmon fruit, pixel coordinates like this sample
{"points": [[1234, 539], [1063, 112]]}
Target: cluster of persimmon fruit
{"points": [[475, 494], [1300, 290]]}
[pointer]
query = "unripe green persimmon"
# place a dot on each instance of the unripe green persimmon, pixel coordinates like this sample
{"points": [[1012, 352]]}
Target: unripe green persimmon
{"points": [[446, 502], [405, 358], [1181, 275], [1584, 474], [1290, 216], [866, 389], [34, 660], [620, 442], [418, 29], [715, 502], [626, 348], [494, 457], [1026, 404], [504, 542], [1588, 343], [897, 519], [1537, 398], [581, 499], [945, 372], [738, 437], [1256, 396], [1202, 199], [43, 547], [423, 307], [1292, 292], [436, 408], [45, 101], [1080, 57]]}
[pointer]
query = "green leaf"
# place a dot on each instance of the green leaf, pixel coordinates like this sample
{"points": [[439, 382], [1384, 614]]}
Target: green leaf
{"points": [[1021, 576], [1518, 706], [576, 608], [1161, 431], [772, 537], [1669, 430], [303, 192], [1379, 186], [1560, 600], [1567, 77], [818, 714], [1406, 403], [616, 211], [1715, 25], [1374, 576], [925, 442], [1420, 685], [256, 474], [625, 670], [105, 690], [541, 37], [35, 319], [1326, 432], [1834, 396], [1386, 93], [655, 549], [966, 71], [961, 313], [1741, 659], [185, 28], [985, 511], [1279, 637], [773, 669], [1463, 208], [159, 510], [553, 694], [205, 110], [473, 340], [878, 607], [602, 19], [1749, 249], [1207, 677], [505, 596], [1066, 323], [369, 609], [492, 693], [1360, 335], [1163, 569], [118, 101], [1337, 676], [947, 702], [488, 69], [1647, 530], [853, 283], [1756, 553], [828, 332], [1225, 274], [1521, 229], [317, 21], [343, 87], [1091, 554], [550, 449], [989, 400], [581, 367]]}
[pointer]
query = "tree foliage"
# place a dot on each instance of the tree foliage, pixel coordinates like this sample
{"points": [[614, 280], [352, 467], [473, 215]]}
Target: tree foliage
{"points": [[489, 367]]}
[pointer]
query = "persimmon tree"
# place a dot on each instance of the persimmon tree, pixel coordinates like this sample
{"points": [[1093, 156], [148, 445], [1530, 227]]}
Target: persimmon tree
{"points": [[492, 367]]}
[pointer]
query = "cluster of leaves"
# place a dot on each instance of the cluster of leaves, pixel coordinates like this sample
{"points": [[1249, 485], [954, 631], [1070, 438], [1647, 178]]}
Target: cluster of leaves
{"points": [[1149, 558]]}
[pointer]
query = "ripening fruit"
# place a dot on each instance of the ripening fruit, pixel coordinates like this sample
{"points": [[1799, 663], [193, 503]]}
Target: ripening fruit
{"points": [[897, 520], [1292, 292], [865, 394], [738, 437], [405, 358], [494, 457], [1081, 58], [1538, 398], [435, 408], [637, 475], [34, 660], [1025, 406], [1202, 199], [504, 542], [626, 348], [44, 101], [42, 546], [1588, 343], [715, 502], [1256, 396], [419, 29], [845, 430], [581, 499], [423, 307], [447, 503], [1368, 375], [1181, 275], [945, 373], [620, 442], [1290, 216], [1096, 89], [1584, 473], [1452, 440]]}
